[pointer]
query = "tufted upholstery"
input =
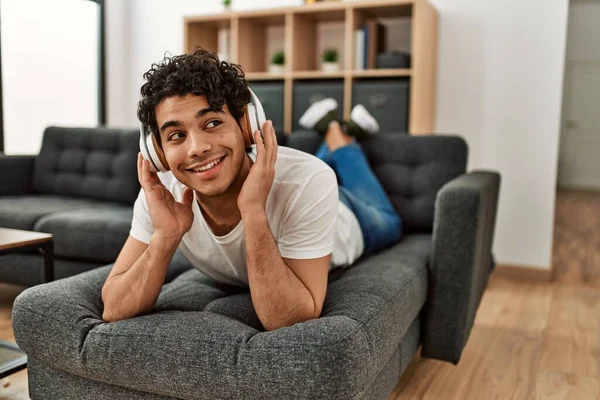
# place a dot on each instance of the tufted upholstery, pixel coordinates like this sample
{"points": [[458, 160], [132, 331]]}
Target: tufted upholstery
{"points": [[412, 169], [80, 188], [94, 163]]}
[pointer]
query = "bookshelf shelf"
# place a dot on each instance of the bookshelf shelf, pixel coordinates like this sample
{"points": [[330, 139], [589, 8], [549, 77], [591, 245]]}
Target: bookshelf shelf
{"points": [[384, 9], [317, 75], [381, 73], [264, 76], [303, 32]]}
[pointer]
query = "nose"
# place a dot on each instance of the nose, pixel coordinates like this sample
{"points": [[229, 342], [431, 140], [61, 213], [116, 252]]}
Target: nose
{"points": [[198, 143]]}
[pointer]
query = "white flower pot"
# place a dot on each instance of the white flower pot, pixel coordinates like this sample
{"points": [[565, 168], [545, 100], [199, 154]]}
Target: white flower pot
{"points": [[330, 66], [276, 68]]}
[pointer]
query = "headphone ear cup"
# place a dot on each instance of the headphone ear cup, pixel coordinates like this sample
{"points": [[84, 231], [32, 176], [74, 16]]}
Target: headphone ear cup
{"points": [[257, 112], [253, 119], [147, 149], [254, 124], [246, 126], [152, 152], [157, 155]]}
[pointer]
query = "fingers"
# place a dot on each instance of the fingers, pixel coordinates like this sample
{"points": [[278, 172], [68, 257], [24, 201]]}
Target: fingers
{"points": [[260, 146], [147, 178], [139, 167], [274, 145], [269, 144], [188, 197]]}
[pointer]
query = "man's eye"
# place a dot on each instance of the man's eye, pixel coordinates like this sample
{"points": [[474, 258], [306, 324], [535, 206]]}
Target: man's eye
{"points": [[175, 136], [214, 123]]}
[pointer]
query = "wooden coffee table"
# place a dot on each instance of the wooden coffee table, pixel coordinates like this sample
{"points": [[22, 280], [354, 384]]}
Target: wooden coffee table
{"points": [[12, 358], [16, 241]]}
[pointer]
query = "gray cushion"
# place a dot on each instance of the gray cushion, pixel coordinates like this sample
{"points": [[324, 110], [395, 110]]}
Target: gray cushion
{"points": [[27, 269], [96, 163], [96, 234], [216, 348], [12, 183], [22, 212], [412, 169]]}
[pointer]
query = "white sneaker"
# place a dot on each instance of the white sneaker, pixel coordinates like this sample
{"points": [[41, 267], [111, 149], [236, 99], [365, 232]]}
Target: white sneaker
{"points": [[361, 117], [316, 112]]}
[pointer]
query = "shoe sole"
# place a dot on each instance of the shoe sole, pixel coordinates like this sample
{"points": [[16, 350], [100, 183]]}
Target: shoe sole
{"points": [[316, 112], [361, 117]]}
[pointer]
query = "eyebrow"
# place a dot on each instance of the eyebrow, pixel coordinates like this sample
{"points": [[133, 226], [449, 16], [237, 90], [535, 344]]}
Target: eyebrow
{"points": [[201, 113]]}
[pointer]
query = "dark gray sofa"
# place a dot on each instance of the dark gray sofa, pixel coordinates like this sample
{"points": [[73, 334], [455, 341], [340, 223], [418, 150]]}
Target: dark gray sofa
{"points": [[204, 339], [81, 188]]}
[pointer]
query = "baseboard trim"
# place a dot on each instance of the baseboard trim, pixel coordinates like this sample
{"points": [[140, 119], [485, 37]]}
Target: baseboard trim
{"points": [[522, 272]]}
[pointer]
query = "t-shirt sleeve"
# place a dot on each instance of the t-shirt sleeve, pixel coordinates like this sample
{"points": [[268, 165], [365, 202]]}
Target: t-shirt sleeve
{"points": [[141, 224], [309, 228]]}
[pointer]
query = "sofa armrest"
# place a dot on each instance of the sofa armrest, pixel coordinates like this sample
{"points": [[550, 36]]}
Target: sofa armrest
{"points": [[52, 322], [464, 221], [15, 174]]}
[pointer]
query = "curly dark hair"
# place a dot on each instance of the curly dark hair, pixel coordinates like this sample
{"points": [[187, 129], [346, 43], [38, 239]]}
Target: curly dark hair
{"points": [[200, 73]]}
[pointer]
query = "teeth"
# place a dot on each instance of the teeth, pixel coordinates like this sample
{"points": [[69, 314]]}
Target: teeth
{"points": [[208, 166]]}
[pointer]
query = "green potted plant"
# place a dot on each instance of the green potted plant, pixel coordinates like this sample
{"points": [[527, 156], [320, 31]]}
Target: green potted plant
{"points": [[277, 65], [330, 60], [227, 4]]}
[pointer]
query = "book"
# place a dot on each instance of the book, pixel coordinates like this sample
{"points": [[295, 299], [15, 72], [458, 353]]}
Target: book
{"points": [[365, 52], [376, 42], [359, 48]]}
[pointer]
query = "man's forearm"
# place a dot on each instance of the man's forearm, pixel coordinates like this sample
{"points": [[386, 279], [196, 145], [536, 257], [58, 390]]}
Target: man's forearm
{"points": [[135, 291], [279, 297]]}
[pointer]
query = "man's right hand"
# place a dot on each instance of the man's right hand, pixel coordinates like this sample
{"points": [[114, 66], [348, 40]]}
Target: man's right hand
{"points": [[169, 217]]}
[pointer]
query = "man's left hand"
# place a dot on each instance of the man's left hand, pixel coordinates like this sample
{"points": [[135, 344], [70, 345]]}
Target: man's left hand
{"points": [[256, 188]]}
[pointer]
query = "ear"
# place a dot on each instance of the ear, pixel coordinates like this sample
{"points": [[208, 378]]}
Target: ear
{"points": [[246, 128]]}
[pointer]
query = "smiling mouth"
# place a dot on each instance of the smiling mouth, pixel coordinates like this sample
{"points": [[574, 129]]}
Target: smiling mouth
{"points": [[207, 167]]}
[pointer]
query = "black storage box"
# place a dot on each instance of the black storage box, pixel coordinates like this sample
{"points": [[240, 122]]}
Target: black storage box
{"points": [[393, 59], [386, 99]]}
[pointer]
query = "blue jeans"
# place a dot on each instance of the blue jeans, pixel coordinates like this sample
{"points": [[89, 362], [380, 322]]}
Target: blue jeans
{"points": [[360, 190]]}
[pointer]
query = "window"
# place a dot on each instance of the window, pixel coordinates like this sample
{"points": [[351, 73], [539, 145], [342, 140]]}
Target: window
{"points": [[51, 69]]}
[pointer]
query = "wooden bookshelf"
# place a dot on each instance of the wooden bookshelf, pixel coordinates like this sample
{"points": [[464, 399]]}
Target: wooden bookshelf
{"points": [[380, 73], [316, 75], [297, 30], [264, 76]]}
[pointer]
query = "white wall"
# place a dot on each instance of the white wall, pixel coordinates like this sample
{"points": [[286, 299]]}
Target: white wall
{"points": [[500, 86], [118, 62], [49, 69]]}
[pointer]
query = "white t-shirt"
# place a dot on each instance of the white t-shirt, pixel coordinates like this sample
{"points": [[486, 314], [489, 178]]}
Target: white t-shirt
{"points": [[304, 213]]}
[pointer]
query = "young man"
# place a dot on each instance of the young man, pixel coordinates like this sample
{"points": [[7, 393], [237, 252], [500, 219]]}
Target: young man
{"points": [[269, 219]]}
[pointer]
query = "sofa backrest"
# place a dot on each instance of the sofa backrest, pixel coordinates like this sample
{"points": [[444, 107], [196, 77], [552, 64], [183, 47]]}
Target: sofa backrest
{"points": [[95, 163], [412, 169]]}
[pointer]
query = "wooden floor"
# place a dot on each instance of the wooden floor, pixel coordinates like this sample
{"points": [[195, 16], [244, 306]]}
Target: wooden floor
{"points": [[531, 340], [13, 387]]}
